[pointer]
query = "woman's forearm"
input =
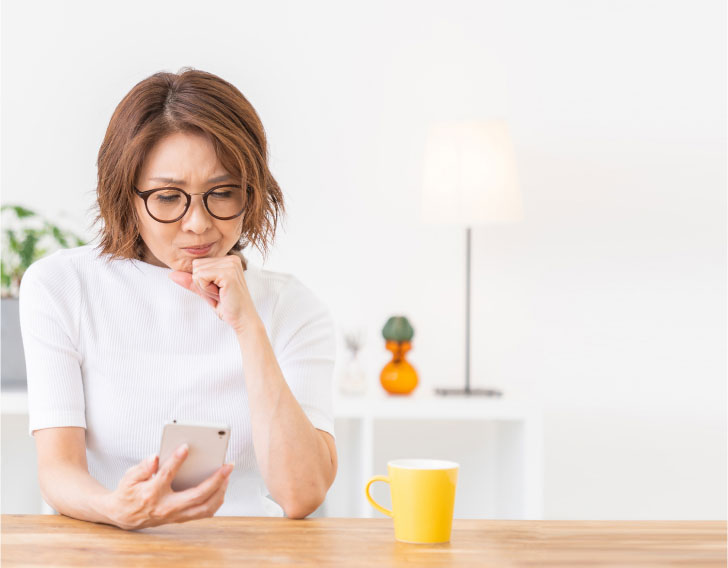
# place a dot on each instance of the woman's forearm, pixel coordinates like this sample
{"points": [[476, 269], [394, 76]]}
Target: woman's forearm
{"points": [[294, 460], [72, 491]]}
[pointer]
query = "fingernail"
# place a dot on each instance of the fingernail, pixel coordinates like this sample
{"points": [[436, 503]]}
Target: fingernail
{"points": [[181, 450], [229, 470]]}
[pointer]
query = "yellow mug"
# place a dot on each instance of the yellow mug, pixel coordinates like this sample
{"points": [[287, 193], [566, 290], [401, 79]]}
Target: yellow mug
{"points": [[423, 499]]}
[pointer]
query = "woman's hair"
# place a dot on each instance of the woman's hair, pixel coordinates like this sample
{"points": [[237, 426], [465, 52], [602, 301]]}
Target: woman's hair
{"points": [[190, 101]]}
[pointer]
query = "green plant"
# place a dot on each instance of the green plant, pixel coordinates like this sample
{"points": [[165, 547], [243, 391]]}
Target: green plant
{"points": [[26, 237], [398, 329]]}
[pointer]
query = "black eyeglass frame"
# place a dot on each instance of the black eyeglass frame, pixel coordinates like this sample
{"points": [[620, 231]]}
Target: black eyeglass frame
{"points": [[145, 195]]}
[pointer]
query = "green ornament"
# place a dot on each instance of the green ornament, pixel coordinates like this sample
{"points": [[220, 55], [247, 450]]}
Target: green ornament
{"points": [[398, 328]]}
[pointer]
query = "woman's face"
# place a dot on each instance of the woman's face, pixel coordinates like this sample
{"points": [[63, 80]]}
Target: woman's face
{"points": [[186, 161]]}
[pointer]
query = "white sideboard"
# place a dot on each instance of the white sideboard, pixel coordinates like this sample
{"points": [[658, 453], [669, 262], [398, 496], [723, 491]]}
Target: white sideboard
{"points": [[14, 402], [19, 492], [497, 442]]}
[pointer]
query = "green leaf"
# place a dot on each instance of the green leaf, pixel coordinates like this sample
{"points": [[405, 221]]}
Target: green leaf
{"points": [[4, 276], [14, 245], [22, 212], [20, 244], [59, 236], [27, 251]]}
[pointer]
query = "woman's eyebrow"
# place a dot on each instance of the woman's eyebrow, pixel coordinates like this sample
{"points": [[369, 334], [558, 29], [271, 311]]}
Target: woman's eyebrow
{"points": [[182, 182]]}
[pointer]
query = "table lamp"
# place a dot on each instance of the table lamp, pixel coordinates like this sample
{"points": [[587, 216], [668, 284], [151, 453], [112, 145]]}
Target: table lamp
{"points": [[470, 179]]}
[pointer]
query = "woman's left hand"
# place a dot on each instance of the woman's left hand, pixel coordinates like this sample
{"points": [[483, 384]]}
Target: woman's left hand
{"points": [[221, 282]]}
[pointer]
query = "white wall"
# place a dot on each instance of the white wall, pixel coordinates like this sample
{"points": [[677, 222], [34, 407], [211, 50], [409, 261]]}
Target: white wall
{"points": [[607, 303]]}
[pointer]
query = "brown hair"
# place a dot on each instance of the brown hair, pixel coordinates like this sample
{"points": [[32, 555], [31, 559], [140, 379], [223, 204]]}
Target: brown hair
{"points": [[189, 101]]}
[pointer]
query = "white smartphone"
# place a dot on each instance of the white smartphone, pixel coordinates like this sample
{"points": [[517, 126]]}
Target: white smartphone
{"points": [[208, 445]]}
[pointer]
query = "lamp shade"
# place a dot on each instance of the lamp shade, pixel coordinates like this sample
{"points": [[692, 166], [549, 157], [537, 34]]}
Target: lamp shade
{"points": [[470, 174]]}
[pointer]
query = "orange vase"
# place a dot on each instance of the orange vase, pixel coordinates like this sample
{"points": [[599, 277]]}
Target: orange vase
{"points": [[398, 376]]}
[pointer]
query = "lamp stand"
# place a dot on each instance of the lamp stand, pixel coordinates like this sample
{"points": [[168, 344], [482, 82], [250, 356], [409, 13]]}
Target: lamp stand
{"points": [[467, 391]]}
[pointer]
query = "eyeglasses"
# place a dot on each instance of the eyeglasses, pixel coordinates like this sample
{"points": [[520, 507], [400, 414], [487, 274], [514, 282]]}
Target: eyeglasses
{"points": [[169, 204]]}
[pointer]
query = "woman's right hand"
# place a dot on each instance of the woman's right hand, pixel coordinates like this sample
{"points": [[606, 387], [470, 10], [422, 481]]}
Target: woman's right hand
{"points": [[143, 499]]}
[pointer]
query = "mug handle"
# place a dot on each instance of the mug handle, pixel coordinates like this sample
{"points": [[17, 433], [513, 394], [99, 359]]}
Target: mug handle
{"points": [[374, 504]]}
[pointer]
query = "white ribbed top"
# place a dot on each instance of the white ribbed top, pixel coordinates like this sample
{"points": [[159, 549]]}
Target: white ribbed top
{"points": [[119, 349]]}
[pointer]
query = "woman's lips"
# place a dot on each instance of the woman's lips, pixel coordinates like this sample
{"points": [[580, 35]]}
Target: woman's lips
{"points": [[198, 251]]}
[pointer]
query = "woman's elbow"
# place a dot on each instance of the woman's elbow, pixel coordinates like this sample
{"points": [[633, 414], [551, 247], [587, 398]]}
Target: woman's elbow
{"points": [[304, 501], [46, 484], [302, 508], [47, 499]]}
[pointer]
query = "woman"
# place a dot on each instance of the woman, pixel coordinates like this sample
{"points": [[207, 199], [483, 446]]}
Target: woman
{"points": [[163, 320]]}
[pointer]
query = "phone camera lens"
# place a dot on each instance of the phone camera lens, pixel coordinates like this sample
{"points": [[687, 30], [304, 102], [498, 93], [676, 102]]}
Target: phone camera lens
{"points": [[221, 432]]}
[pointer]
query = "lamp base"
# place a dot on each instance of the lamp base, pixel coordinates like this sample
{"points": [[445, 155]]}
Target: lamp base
{"points": [[468, 392]]}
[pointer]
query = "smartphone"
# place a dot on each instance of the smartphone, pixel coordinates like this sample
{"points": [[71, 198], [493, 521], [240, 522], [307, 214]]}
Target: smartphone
{"points": [[208, 445]]}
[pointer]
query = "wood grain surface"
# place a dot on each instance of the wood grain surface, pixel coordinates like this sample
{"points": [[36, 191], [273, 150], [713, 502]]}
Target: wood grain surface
{"points": [[54, 540]]}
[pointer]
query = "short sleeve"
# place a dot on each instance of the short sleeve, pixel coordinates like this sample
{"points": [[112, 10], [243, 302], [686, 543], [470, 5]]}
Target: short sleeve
{"points": [[305, 347], [49, 300]]}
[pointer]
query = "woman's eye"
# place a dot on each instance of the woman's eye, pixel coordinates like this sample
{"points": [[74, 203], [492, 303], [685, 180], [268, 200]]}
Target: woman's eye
{"points": [[168, 197], [222, 194]]}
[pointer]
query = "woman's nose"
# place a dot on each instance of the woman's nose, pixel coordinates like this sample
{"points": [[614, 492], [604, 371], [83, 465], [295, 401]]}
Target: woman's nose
{"points": [[197, 219]]}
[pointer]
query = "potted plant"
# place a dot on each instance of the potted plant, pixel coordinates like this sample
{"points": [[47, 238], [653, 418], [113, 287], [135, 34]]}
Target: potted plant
{"points": [[398, 376], [26, 237], [353, 377]]}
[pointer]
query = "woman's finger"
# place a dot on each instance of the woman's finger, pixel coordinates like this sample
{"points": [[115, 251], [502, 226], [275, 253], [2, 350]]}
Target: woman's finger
{"points": [[213, 290], [202, 492], [170, 467], [209, 299], [206, 509], [142, 471], [186, 280], [212, 278]]}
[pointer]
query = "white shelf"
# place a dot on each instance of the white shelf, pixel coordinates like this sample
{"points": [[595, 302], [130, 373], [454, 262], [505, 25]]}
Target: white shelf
{"points": [[14, 402], [509, 450], [430, 406], [515, 453]]}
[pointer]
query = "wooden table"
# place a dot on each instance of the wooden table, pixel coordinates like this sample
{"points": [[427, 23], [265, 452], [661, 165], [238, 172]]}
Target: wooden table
{"points": [[54, 540]]}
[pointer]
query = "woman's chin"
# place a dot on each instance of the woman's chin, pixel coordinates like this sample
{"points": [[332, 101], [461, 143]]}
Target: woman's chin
{"points": [[182, 264]]}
